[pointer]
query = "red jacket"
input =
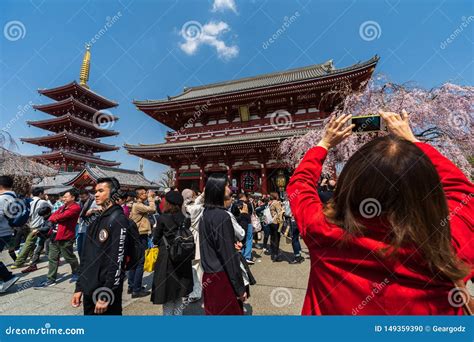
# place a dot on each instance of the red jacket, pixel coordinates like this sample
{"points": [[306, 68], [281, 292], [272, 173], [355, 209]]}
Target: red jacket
{"points": [[66, 217], [352, 279]]}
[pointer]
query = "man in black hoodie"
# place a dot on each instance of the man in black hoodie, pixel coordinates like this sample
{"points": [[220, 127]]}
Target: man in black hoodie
{"points": [[101, 272]]}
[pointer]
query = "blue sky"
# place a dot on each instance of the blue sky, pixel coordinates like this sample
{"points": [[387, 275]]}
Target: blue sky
{"points": [[146, 54]]}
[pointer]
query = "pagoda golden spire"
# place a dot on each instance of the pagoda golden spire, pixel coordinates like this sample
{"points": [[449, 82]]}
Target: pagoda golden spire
{"points": [[86, 61]]}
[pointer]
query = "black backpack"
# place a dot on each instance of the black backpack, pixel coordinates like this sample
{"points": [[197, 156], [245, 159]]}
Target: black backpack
{"points": [[182, 247], [17, 211], [133, 251]]}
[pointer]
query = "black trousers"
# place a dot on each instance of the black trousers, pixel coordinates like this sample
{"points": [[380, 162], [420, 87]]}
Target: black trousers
{"points": [[20, 234], [274, 240], [114, 309]]}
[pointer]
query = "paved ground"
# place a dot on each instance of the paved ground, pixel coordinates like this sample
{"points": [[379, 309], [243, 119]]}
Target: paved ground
{"points": [[280, 290]]}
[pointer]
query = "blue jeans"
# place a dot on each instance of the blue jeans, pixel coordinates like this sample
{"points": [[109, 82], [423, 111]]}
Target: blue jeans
{"points": [[247, 252], [135, 276], [80, 243], [295, 238], [5, 275]]}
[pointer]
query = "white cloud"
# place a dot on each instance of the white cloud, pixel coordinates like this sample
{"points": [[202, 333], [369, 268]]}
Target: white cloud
{"points": [[210, 34], [222, 5]]}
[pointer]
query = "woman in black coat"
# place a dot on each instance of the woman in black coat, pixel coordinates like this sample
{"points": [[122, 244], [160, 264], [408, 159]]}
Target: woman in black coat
{"points": [[223, 286], [171, 282]]}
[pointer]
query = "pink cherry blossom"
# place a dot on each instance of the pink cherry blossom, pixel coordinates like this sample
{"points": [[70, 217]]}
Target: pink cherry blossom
{"points": [[442, 116]]}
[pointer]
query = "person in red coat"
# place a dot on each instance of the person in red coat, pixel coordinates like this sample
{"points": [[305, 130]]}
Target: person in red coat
{"points": [[62, 238], [396, 235]]}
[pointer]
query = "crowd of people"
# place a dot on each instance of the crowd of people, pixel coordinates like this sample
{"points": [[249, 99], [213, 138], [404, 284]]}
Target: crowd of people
{"points": [[85, 228], [418, 243]]}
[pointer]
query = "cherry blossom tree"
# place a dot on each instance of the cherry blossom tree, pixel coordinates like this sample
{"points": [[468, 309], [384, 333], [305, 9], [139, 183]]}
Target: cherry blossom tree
{"points": [[442, 116], [25, 172]]}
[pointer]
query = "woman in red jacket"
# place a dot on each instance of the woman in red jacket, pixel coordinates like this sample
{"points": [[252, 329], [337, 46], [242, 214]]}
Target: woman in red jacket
{"points": [[397, 233]]}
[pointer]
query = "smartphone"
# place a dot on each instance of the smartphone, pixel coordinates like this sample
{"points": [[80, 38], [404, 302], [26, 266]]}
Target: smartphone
{"points": [[367, 123]]}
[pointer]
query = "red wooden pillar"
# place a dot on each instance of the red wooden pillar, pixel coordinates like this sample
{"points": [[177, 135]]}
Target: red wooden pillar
{"points": [[201, 179], [264, 179], [229, 173]]}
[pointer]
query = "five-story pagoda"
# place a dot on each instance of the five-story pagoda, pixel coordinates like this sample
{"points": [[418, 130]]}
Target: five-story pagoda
{"points": [[78, 124]]}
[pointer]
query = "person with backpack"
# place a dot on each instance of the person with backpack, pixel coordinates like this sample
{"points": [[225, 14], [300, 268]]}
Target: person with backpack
{"points": [[18, 209], [42, 235], [35, 222], [62, 238], [102, 269], [173, 276], [7, 279], [143, 207]]}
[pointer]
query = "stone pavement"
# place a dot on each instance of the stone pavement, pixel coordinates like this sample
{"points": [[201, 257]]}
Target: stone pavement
{"points": [[280, 290]]}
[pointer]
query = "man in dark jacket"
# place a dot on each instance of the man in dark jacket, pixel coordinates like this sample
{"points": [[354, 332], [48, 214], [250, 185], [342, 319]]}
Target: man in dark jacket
{"points": [[101, 273]]}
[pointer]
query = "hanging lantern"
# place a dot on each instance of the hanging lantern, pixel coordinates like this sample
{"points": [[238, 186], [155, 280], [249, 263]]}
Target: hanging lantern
{"points": [[281, 180]]}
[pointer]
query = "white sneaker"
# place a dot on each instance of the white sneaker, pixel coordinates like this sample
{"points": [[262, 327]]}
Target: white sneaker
{"points": [[7, 284]]}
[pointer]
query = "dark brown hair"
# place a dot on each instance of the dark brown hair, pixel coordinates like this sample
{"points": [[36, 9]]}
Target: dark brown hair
{"points": [[393, 179]]}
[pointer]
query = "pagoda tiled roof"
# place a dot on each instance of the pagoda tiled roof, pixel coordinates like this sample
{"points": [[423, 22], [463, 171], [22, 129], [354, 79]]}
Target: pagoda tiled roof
{"points": [[56, 180], [126, 178], [312, 72], [78, 90], [71, 118], [53, 155], [71, 136], [69, 102], [218, 142]]}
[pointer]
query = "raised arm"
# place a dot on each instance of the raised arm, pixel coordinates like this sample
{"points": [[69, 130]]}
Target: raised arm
{"points": [[142, 209], [302, 189]]}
